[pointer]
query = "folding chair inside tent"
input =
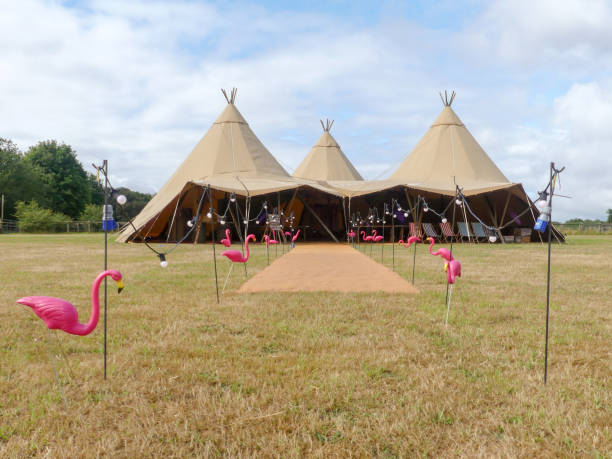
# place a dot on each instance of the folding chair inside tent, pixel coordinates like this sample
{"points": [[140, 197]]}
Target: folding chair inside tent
{"points": [[464, 231], [447, 231], [430, 231], [479, 231], [414, 231]]}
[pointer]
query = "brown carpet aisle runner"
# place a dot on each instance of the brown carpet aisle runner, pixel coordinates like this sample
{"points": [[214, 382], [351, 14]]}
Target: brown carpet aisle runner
{"points": [[326, 267]]}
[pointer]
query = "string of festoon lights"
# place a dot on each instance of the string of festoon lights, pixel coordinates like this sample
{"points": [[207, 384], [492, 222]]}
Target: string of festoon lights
{"points": [[395, 210]]}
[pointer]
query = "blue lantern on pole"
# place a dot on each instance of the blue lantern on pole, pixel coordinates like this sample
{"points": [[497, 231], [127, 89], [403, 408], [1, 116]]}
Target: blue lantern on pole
{"points": [[108, 220]]}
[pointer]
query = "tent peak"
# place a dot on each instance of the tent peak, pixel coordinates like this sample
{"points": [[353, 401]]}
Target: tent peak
{"points": [[232, 97], [327, 126], [445, 100]]}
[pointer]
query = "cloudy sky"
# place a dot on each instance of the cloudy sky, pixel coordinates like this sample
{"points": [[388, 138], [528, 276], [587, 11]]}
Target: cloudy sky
{"points": [[138, 82]]}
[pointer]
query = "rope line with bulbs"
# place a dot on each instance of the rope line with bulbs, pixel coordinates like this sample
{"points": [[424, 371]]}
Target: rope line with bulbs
{"points": [[121, 200]]}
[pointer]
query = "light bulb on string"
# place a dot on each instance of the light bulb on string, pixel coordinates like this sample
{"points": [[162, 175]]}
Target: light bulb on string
{"points": [[444, 220], [425, 209], [492, 238], [399, 208], [222, 221], [459, 202], [233, 197], [406, 214], [394, 215], [162, 260], [190, 223], [209, 214], [121, 199], [245, 222]]}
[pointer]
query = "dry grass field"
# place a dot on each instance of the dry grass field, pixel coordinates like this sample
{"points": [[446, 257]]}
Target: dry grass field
{"points": [[309, 374]]}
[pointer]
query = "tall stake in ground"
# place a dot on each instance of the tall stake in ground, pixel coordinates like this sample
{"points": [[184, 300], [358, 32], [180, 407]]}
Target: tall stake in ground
{"points": [[212, 234], [105, 167]]}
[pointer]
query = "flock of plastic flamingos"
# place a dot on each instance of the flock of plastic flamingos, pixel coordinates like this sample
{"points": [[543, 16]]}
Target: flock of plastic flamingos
{"points": [[57, 313]]}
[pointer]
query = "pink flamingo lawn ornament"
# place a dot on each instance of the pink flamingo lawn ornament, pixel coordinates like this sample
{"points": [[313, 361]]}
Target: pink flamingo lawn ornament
{"points": [[452, 268], [411, 240], [294, 238], [376, 238], [444, 253], [227, 242], [235, 256], [364, 237], [58, 314], [269, 241], [351, 235]]}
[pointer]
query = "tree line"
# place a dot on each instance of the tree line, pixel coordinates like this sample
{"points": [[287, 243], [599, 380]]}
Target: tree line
{"points": [[48, 183]]}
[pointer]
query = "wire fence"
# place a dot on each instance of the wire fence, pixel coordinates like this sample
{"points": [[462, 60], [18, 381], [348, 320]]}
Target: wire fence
{"points": [[584, 228], [12, 226]]}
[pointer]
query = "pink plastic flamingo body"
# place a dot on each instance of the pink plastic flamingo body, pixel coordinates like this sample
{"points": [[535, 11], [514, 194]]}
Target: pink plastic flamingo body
{"points": [[236, 256], [364, 237], [444, 253], [288, 233], [227, 242], [269, 241], [295, 236], [62, 315], [351, 234], [453, 270], [376, 238], [411, 240]]}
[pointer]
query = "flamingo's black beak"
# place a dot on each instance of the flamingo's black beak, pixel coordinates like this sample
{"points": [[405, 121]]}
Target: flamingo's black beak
{"points": [[119, 286]]}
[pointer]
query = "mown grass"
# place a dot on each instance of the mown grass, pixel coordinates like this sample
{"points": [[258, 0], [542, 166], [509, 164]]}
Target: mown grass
{"points": [[310, 374]]}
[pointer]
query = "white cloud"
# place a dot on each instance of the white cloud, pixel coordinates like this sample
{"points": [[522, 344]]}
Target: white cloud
{"points": [[138, 83]]}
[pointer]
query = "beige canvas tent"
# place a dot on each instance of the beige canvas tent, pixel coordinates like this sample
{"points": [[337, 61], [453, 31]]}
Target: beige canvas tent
{"points": [[229, 158], [326, 161]]}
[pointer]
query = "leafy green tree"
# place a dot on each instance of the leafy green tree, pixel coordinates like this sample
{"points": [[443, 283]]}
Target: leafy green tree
{"points": [[36, 219], [92, 213], [19, 180], [95, 189], [64, 175]]}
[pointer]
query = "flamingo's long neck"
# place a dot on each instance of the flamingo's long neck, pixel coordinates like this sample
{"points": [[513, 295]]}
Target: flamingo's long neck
{"points": [[227, 234], [86, 329], [246, 248], [431, 246]]}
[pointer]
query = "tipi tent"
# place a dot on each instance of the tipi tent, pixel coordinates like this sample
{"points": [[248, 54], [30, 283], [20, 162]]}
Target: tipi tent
{"points": [[449, 154], [326, 161], [229, 158], [448, 158]]}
